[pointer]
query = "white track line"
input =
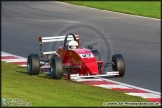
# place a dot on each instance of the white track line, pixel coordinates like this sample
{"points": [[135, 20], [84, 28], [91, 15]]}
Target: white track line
{"points": [[145, 95], [80, 80], [7, 54], [109, 86], [16, 60], [154, 92]]}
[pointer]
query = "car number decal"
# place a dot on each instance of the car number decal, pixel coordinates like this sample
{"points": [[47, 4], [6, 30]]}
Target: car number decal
{"points": [[86, 55]]}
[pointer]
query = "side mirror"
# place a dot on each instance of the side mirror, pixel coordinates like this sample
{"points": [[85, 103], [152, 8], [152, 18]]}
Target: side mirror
{"points": [[90, 47]]}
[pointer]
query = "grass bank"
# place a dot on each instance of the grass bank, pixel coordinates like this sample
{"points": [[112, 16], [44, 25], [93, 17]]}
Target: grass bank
{"points": [[142, 8], [41, 90]]}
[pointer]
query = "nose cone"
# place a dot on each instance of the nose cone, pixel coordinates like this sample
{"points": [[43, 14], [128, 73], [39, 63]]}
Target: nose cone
{"points": [[88, 61], [89, 65]]}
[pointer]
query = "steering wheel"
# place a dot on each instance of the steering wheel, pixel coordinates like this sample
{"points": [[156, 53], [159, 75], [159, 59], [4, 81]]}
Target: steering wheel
{"points": [[65, 41]]}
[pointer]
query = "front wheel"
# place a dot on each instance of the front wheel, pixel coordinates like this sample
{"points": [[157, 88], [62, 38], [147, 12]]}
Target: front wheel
{"points": [[118, 64], [33, 64], [56, 68]]}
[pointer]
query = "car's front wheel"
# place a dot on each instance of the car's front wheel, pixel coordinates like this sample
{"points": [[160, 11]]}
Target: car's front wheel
{"points": [[56, 68], [118, 64], [33, 64]]}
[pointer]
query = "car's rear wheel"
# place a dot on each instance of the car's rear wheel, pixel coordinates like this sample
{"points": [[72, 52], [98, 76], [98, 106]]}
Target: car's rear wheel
{"points": [[118, 64], [56, 68], [33, 64], [97, 55]]}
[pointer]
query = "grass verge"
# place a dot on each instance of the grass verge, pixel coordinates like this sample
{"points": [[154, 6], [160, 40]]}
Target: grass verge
{"points": [[142, 8], [41, 90]]}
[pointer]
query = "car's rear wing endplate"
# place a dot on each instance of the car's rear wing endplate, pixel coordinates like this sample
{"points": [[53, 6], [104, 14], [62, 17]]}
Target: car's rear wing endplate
{"points": [[52, 39]]}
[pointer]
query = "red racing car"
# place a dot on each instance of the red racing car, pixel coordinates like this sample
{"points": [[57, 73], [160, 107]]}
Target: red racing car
{"points": [[80, 62]]}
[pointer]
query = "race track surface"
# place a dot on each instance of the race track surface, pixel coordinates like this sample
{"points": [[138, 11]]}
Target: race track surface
{"points": [[136, 38]]}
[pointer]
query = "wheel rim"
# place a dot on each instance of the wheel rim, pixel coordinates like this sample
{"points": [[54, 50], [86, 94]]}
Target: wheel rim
{"points": [[29, 66], [115, 64], [52, 70]]}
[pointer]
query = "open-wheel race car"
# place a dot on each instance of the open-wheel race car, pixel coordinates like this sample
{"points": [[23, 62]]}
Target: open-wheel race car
{"points": [[67, 63]]}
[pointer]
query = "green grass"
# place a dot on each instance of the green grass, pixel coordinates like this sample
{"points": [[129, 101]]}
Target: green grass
{"points": [[43, 91], [141, 8]]}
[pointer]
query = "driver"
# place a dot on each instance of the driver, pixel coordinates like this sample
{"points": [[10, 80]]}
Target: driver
{"points": [[72, 45]]}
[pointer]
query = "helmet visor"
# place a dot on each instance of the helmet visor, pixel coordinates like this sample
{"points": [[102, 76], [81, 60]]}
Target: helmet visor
{"points": [[73, 47]]}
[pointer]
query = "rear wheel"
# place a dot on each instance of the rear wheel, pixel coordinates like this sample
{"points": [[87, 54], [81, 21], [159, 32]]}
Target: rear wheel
{"points": [[97, 55], [118, 64], [56, 68], [33, 64]]}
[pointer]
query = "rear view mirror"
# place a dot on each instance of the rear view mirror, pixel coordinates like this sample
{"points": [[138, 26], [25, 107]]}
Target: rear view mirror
{"points": [[90, 47]]}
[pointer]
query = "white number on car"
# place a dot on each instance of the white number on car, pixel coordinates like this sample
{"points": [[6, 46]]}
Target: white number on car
{"points": [[86, 55]]}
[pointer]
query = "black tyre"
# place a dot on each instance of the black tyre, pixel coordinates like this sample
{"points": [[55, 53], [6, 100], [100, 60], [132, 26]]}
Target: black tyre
{"points": [[118, 64], [56, 68], [96, 54], [33, 64]]}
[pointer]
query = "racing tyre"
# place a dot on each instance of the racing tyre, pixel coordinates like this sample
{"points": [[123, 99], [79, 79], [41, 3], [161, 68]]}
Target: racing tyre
{"points": [[118, 64], [56, 68], [97, 55], [33, 64]]}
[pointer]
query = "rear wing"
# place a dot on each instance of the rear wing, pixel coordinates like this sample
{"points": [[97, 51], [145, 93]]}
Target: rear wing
{"points": [[54, 39]]}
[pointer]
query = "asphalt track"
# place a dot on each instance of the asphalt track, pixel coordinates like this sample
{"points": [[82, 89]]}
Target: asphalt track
{"points": [[136, 38]]}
